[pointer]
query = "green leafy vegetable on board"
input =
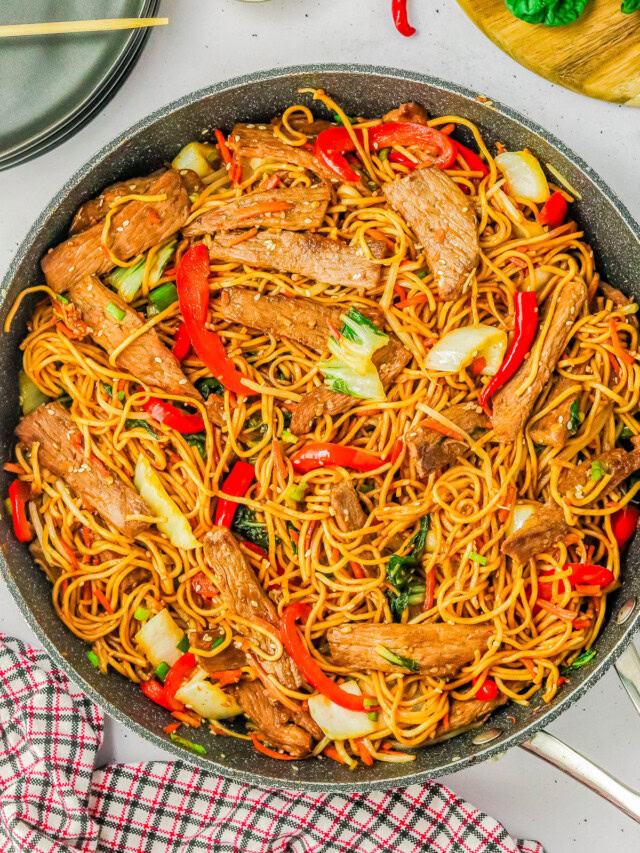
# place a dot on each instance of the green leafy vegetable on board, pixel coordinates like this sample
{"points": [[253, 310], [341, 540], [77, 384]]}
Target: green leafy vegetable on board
{"points": [[551, 13]]}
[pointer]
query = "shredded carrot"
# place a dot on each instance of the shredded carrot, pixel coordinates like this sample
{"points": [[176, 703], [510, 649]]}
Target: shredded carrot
{"points": [[246, 235], [227, 676], [87, 591], [86, 536], [478, 365], [356, 568], [259, 747], [560, 612], [187, 717], [171, 728], [100, 466], [13, 468], [447, 129], [530, 666], [334, 332], [581, 623], [561, 680], [70, 554], [436, 426], [588, 589], [265, 207], [76, 441], [69, 333], [332, 752], [365, 755], [278, 461], [615, 364], [445, 722], [378, 235], [412, 300], [504, 513], [272, 182], [222, 145], [102, 598], [619, 350], [429, 590]]}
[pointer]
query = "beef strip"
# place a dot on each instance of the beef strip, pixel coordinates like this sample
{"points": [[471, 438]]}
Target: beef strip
{"points": [[544, 527], [552, 428], [329, 261], [390, 361], [96, 209], [444, 221], [243, 594], [272, 719], [259, 141], [430, 451], [147, 358], [618, 299], [52, 426], [463, 714], [134, 228], [349, 515], [408, 112], [229, 658], [308, 210], [439, 649], [618, 462], [510, 411]]}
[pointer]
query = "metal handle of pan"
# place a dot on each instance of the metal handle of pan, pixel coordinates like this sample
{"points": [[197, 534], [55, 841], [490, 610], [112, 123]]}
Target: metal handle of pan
{"points": [[576, 765]]}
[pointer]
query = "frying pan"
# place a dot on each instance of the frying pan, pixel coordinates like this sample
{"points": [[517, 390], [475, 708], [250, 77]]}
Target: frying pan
{"points": [[256, 98]]}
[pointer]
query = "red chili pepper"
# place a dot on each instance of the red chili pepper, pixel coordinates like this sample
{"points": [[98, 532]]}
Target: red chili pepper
{"points": [[525, 327], [325, 454], [472, 160], [182, 343], [588, 575], [332, 144], [397, 157], [19, 492], [624, 523], [308, 666], [155, 691], [193, 295], [173, 417], [399, 10], [553, 211], [240, 478], [488, 691], [175, 677]]}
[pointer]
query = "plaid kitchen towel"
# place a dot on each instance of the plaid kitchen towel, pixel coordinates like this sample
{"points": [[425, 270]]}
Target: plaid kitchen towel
{"points": [[52, 800]]}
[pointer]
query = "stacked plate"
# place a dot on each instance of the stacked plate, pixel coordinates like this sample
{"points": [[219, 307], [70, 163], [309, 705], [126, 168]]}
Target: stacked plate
{"points": [[52, 85]]}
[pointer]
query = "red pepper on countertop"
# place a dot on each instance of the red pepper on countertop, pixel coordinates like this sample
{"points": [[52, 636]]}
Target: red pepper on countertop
{"points": [[240, 478], [173, 417], [324, 454], [472, 160], [19, 492], [399, 11], [525, 327], [624, 523], [182, 343], [308, 665], [193, 295], [332, 144], [488, 691], [553, 211]]}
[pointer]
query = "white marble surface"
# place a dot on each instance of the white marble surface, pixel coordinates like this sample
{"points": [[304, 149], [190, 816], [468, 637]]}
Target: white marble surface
{"points": [[210, 41]]}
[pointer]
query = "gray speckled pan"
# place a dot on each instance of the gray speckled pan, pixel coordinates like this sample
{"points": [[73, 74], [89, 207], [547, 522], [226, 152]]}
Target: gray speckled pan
{"points": [[361, 90]]}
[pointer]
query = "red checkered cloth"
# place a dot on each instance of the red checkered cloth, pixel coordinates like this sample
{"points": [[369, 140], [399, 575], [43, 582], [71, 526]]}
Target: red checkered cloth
{"points": [[53, 800]]}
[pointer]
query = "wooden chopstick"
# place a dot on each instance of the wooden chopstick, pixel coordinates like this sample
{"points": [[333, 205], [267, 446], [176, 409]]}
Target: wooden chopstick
{"points": [[96, 26]]}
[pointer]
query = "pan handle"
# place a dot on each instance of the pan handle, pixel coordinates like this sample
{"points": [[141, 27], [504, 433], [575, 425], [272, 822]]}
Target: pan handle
{"points": [[574, 764], [628, 668]]}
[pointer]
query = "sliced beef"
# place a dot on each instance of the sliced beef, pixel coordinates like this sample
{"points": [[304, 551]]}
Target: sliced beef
{"points": [[52, 426], [312, 255], [308, 207], [242, 593], [619, 463], [463, 714], [229, 658], [552, 428], [147, 358], [96, 209], [272, 719], [134, 228], [430, 450], [408, 112], [541, 531], [390, 361], [349, 514], [444, 222], [439, 649], [248, 140], [618, 299], [311, 129], [510, 411]]}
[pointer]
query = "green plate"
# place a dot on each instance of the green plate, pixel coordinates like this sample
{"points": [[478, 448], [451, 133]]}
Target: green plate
{"points": [[54, 84]]}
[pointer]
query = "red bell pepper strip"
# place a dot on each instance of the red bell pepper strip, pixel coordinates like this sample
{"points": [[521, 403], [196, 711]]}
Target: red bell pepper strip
{"points": [[193, 295], [332, 144], [588, 575], [325, 454], [472, 160], [155, 691], [308, 666], [397, 157], [173, 417], [240, 478], [553, 211], [399, 10], [182, 343], [525, 327], [251, 546], [488, 691], [176, 675], [19, 492], [624, 523]]}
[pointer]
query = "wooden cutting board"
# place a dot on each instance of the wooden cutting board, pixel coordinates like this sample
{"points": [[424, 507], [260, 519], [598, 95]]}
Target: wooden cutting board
{"points": [[598, 55]]}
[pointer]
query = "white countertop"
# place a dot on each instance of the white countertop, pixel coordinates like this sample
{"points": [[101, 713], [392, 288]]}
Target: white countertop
{"points": [[211, 41]]}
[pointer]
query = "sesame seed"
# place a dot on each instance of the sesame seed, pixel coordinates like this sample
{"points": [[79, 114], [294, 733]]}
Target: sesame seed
{"points": [[158, 359], [183, 381]]}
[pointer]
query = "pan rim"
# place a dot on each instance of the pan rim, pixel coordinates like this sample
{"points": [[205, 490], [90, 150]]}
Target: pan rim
{"points": [[546, 715]]}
